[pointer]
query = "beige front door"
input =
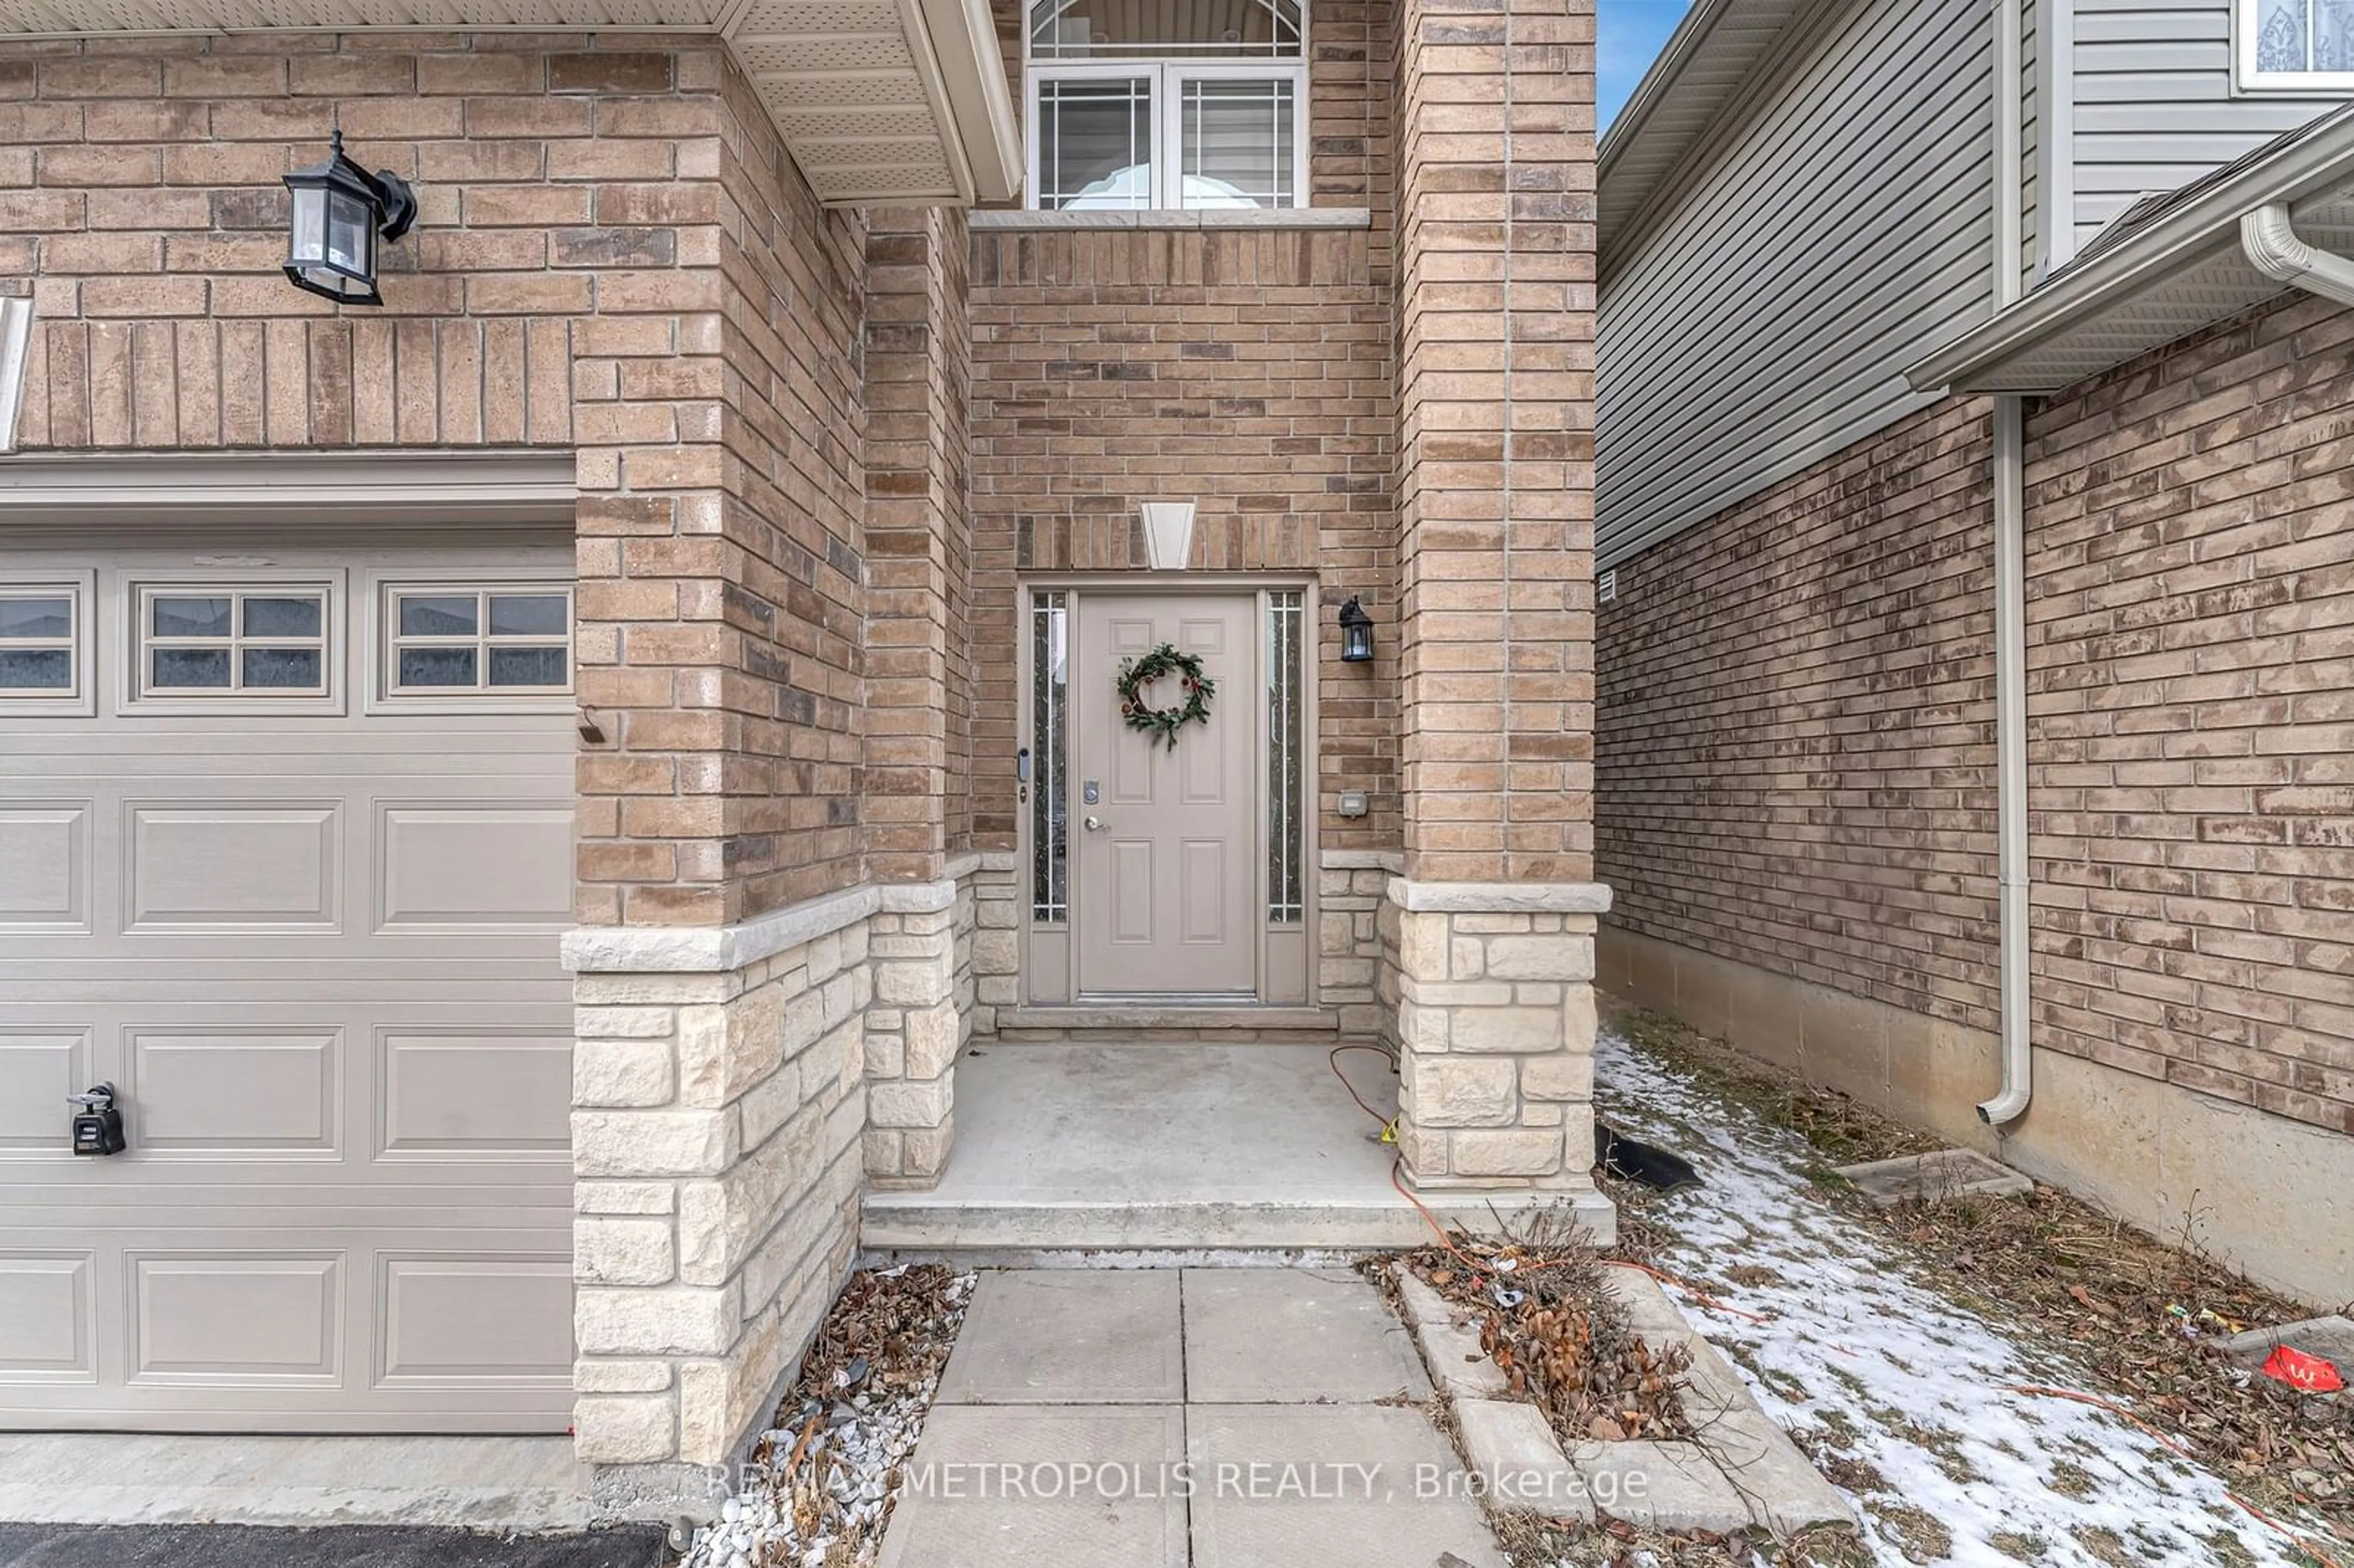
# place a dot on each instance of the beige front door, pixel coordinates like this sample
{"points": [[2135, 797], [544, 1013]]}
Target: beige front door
{"points": [[1167, 839]]}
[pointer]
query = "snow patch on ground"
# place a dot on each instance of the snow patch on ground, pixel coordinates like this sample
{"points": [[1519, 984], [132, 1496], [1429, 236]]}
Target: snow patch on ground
{"points": [[1863, 1361]]}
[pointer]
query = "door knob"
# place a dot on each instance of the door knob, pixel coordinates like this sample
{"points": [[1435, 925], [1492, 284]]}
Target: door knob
{"points": [[1091, 823]]}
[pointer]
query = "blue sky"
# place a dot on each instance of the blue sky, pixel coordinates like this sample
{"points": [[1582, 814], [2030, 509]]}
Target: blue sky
{"points": [[1627, 36]]}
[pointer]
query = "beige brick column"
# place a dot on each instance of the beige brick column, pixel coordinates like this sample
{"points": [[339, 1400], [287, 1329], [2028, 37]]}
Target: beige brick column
{"points": [[1494, 915]]}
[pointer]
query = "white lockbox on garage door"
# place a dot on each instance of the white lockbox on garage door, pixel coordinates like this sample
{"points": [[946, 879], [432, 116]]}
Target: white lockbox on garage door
{"points": [[285, 853]]}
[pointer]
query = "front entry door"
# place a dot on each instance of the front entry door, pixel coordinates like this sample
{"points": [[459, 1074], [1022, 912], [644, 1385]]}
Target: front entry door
{"points": [[1168, 845]]}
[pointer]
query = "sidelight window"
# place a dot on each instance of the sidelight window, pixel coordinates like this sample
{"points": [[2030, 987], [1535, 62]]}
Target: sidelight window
{"points": [[1287, 894], [1050, 897]]}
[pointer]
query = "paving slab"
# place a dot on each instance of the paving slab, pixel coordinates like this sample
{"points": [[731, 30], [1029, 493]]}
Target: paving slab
{"points": [[1660, 1486], [1037, 1486], [1450, 1347], [2331, 1338], [1512, 1448], [1070, 1337], [1276, 1486], [1293, 1336], [1935, 1177]]}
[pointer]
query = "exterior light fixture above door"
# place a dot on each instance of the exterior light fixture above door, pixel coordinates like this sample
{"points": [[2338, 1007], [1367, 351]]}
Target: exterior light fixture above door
{"points": [[339, 212], [1356, 634]]}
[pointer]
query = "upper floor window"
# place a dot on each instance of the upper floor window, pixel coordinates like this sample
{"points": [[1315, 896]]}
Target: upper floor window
{"points": [[2295, 45], [1137, 103]]}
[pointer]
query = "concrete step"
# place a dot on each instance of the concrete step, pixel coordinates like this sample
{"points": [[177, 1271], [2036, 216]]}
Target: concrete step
{"points": [[926, 1225], [1131, 1020]]}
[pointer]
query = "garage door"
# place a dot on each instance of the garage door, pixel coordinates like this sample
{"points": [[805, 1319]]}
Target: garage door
{"points": [[285, 843]]}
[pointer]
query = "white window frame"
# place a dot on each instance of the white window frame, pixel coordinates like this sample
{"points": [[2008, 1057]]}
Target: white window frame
{"points": [[79, 699], [386, 695], [2249, 81], [1167, 75], [139, 590]]}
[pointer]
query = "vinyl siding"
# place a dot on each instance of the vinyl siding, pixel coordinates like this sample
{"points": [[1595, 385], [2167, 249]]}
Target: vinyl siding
{"points": [[2155, 106], [2031, 145], [1765, 319]]}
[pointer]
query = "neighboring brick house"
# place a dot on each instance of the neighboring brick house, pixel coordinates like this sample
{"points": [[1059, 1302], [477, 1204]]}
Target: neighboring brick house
{"points": [[1979, 576], [707, 574]]}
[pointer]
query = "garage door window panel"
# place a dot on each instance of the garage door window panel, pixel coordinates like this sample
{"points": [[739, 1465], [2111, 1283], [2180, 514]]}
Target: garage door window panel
{"points": [[210, 642], [44, 655], [448, 642]]}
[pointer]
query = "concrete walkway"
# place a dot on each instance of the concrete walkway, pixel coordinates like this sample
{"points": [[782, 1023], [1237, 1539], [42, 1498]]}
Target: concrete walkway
{"points": [[1220, 1418]]}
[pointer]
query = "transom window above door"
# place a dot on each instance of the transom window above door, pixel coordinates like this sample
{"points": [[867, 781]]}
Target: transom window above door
{"points": [[1196, 104]]}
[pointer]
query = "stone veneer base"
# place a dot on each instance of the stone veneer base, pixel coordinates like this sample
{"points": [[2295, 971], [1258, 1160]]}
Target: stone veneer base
{"points": [[1492, 987], [735, 1092]]}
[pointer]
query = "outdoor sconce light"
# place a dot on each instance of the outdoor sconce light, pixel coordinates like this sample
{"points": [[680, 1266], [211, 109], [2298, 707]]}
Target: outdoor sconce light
{"points": [[1356, 634], [339, 211]]}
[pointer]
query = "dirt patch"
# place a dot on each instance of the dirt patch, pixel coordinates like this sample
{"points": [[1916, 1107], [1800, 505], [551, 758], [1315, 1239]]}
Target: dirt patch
{"points": [[821, 1482], [1532, 1542], [1561, 1340], [2126, 1305]]}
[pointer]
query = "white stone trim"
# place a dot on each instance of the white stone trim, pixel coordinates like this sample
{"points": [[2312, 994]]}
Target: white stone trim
{"points": [[432, 489], [917, 897], [1391, 861], [715, 949], [722, 950], [15, 348], [1500, 897]]}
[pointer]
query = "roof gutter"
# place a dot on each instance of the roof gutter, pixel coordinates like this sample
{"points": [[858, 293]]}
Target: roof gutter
{"points": [[2270, 240], [2198, 230], [1660, 80]]}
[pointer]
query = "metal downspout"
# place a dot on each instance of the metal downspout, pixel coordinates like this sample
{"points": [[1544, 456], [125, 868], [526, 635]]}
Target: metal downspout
{"points": [[2273, 248], [2010, 594], [2011, 760]]}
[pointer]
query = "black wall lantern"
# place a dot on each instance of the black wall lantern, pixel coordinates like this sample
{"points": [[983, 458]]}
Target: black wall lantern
{"points": [[1356, 634], [339, 211]]}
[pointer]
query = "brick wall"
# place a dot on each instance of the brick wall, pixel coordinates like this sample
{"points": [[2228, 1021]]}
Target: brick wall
{"points": [[1247, 370], [588, 205], [1796, 744], [1796, 762], [919, 358], [2190, 601], [1495, 445]]}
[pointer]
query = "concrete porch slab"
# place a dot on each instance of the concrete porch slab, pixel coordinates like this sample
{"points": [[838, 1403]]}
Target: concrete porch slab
{"points": [[1070, 1337], [1293, 1336], [1182, 1146], [126, 1478]]}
